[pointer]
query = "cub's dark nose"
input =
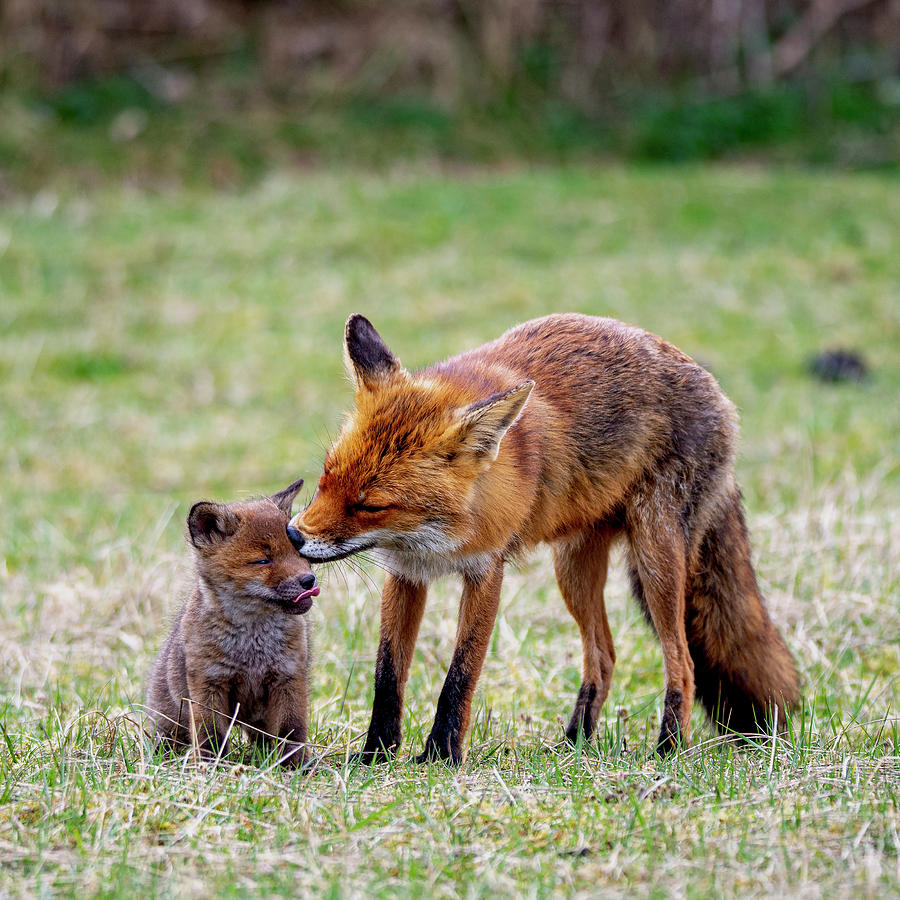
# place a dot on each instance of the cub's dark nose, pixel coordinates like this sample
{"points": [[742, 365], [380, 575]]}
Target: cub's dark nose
{"points": [[307, 581], [295, 538]]}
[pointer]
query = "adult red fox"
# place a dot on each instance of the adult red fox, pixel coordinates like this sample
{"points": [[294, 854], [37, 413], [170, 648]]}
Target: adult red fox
{"points": [[573, 430]]}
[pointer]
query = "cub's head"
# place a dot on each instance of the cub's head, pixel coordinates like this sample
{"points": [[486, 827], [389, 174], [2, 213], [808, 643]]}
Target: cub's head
{"points": [[244, 554], [402, 472]]}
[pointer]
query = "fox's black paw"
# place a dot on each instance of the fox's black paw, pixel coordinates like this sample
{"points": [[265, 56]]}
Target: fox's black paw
{"points": [[577, 731], [667, 745], [671, 737], [582, 721], [434, 752], [374, 753]]}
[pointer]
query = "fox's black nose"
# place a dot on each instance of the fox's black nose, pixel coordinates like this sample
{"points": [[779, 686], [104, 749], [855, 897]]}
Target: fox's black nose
{"points": [[295, 538], [307, 581]]}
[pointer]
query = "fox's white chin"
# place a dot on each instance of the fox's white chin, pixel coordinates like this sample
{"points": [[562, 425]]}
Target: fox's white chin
{"points": [[425, 566]]}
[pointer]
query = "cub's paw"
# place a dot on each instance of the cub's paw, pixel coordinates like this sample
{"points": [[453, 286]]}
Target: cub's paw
{"points": [[292, 756]]}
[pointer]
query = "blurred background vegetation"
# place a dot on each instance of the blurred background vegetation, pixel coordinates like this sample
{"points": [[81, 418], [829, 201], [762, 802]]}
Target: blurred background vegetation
{"points": [[223, 91]]}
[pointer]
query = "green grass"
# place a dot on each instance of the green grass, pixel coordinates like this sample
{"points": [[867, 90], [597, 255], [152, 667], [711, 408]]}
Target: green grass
{"points": [[156, 348]]}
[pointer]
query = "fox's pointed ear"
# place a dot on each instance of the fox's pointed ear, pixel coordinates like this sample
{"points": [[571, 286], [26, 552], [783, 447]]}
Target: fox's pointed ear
{"points": [[210, 524], [481, 426], [368, 358], [285, 499]]}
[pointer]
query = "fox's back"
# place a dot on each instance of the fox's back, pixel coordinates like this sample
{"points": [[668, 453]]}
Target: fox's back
{"points": [[598, 365], [610, 401]]}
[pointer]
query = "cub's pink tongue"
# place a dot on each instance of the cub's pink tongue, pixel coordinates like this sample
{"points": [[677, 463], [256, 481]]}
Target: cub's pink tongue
{"points": [[312, 592]]}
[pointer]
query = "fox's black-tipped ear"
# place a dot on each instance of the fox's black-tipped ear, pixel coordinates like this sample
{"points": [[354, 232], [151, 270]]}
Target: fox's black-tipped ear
{"points": [[285, 499], [368, 358], [480, 427], [210, 524]]}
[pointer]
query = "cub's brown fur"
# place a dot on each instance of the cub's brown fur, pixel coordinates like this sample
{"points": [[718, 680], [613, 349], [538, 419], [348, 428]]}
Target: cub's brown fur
{"points": [[240, 644]]}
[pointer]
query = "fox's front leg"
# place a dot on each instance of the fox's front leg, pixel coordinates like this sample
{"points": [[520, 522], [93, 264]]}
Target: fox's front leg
{"points": [[402, 605], [477, 612]]}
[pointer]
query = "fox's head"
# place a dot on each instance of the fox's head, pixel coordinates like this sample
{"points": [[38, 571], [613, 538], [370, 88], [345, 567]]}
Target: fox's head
{"points": [[243, 551], [402, 472]]}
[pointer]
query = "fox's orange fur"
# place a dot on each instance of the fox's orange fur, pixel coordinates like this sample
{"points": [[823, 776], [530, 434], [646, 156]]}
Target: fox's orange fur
{"points": [[571, 430]]}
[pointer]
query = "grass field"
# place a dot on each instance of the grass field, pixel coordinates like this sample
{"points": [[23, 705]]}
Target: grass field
{"points": [[156, 348]]}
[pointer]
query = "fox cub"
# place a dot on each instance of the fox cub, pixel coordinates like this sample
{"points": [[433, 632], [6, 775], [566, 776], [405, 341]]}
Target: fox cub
{"points": [[569, 430], [240, 646]]}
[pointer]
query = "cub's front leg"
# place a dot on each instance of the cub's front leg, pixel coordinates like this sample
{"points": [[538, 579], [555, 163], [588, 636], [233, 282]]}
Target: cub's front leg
{"points": [[286, 718], [208, 716]]}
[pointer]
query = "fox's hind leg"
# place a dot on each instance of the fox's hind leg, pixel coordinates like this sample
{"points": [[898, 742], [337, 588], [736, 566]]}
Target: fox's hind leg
{"points": [[581, 563], [658, 558]]}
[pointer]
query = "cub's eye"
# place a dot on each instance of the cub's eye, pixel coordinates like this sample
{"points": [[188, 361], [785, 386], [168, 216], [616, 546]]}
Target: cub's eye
{"points": [[265, 561]]}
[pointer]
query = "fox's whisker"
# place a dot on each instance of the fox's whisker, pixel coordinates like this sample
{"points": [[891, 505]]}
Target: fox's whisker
{"points": [[363, 574]]}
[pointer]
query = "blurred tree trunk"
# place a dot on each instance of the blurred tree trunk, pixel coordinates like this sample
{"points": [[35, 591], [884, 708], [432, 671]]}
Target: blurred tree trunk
{"points": [[441, 46], [793, 48]]}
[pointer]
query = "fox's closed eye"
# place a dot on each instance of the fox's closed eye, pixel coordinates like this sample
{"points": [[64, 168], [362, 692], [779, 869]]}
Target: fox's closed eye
{"points": [[361, 507]]}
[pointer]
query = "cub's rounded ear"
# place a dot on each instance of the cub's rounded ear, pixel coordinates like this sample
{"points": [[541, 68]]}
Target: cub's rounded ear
{"points": [[366, 354], [284, 499], [210, 524]]}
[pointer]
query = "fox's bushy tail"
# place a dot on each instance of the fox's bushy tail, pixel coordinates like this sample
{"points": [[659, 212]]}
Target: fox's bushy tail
{"points": [[742, 667]]}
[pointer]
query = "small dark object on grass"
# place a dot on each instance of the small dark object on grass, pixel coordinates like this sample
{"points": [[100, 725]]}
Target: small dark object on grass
{"points": [[839, 365]]}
